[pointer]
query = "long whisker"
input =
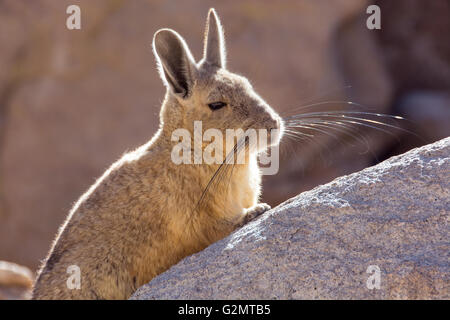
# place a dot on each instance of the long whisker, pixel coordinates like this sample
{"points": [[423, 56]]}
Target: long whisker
{"points": [[344, 118], [346, 129], [328, 102], [287, 131], [326, 93], [370, 126], [225, 166], [310, 138], [337, 113], [312, 127], [292, 136]]}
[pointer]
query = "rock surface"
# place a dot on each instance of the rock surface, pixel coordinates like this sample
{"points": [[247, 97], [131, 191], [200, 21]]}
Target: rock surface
{"points": [[320, 244]]}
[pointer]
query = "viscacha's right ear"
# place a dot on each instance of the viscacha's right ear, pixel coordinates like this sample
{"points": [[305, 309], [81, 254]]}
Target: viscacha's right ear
{"points": [[175, 61], [214, 43]]}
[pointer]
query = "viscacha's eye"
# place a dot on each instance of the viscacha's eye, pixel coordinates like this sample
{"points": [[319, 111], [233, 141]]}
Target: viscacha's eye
{"points": [[216, 105]]}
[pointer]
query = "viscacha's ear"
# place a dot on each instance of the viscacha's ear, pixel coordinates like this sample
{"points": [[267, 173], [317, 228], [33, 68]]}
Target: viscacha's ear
{"points": [[175, 61], [214, 43]]}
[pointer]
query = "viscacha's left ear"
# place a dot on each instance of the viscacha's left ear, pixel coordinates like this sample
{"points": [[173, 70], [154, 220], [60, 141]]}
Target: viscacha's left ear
{"points": [[175, 62], [214, 43]]}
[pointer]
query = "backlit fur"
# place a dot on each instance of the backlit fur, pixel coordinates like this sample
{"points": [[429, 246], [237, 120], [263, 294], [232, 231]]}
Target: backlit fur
{"points": [[139, 218]]}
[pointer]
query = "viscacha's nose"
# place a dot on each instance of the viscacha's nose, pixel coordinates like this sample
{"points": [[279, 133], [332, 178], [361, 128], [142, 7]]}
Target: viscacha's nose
{"points": [[271, 120]]}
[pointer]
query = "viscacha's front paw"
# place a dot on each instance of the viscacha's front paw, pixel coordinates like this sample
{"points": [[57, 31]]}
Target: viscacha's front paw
{"points": [[253, 212]]}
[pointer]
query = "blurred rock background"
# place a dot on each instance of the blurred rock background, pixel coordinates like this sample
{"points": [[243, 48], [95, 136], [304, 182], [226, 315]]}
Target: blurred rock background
{"points": [[72, 101], [15, 281]]}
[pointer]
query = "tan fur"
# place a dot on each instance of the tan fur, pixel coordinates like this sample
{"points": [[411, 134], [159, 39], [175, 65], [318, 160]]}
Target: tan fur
{"points": [[139, 218]]}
